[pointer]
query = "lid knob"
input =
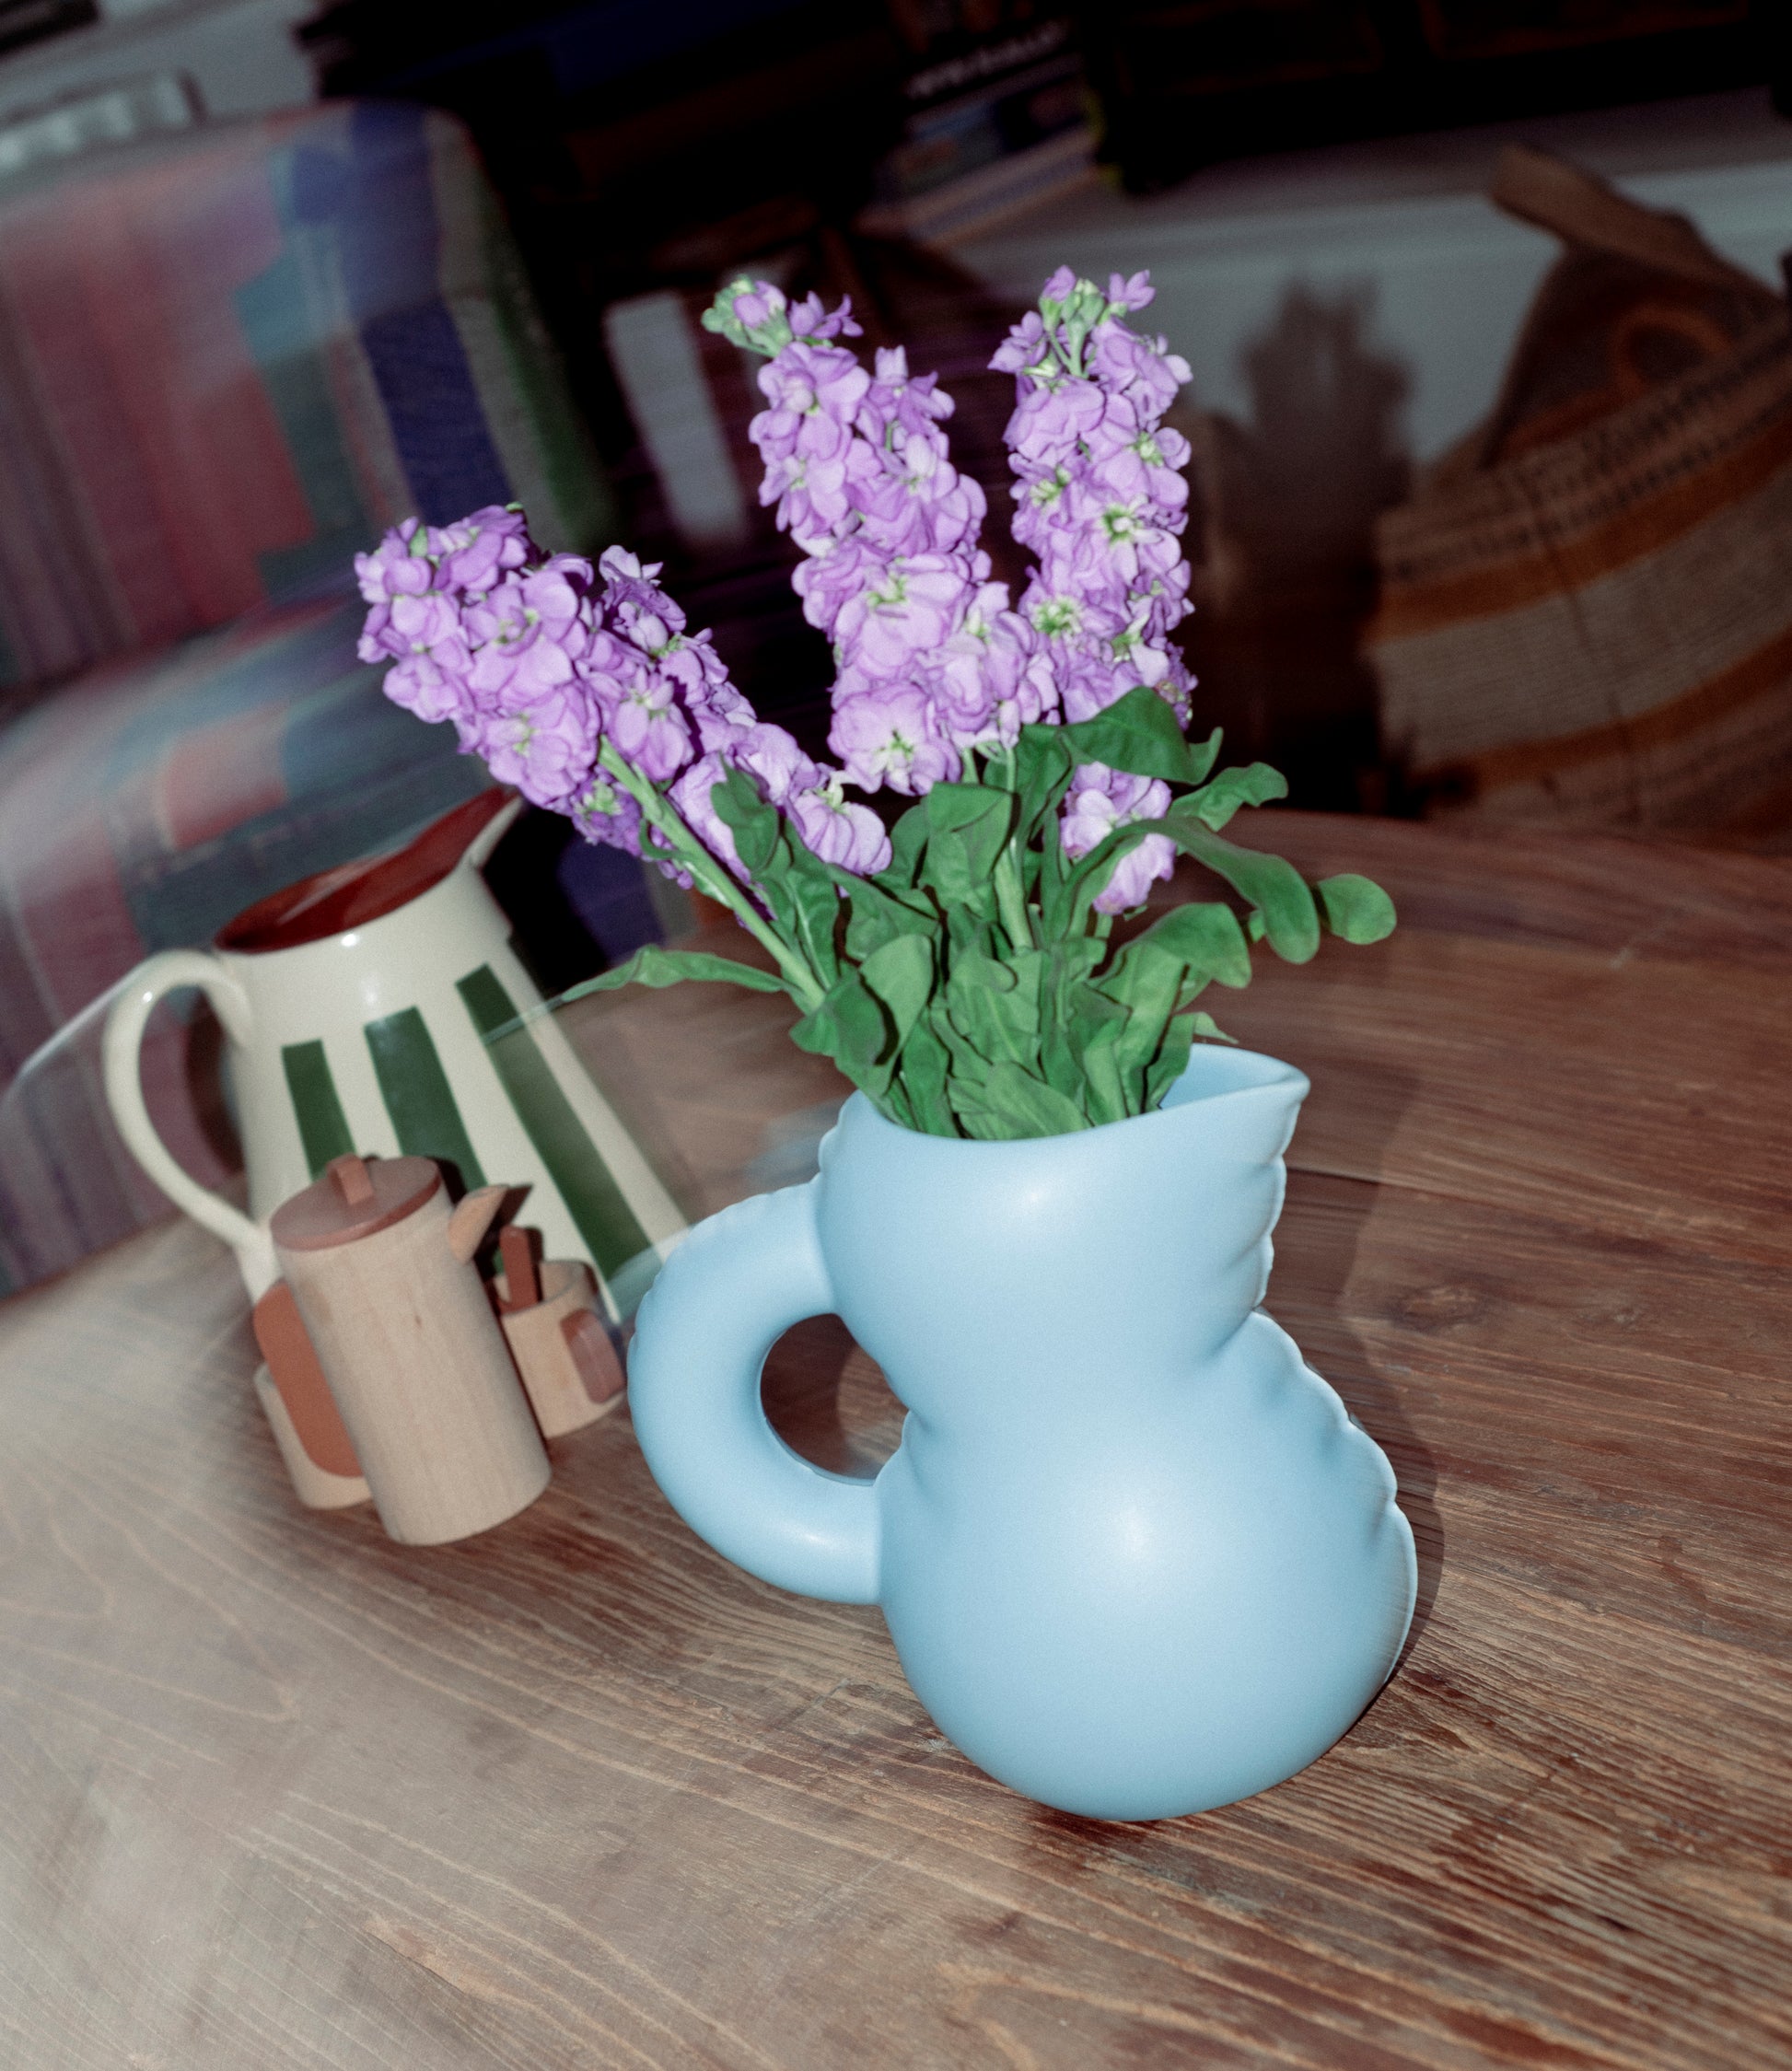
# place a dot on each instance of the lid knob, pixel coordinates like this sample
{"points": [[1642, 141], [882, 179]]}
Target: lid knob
{"points": [[350, 1174]]}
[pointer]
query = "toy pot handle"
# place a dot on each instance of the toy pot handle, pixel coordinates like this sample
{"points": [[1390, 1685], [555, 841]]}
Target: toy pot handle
{"points": [[123, 1044], [720, 1303]]}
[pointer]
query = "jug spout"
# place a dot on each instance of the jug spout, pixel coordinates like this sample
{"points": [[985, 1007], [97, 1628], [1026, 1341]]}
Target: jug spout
{"points": [[472, 1218], [477, 852]]}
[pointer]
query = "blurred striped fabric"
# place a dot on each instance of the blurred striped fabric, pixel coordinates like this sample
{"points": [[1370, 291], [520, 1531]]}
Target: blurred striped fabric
{"points": [[228, 360]]}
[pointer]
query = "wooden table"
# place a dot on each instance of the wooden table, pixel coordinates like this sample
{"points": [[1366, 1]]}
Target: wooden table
{"points": [[280, 1793]]}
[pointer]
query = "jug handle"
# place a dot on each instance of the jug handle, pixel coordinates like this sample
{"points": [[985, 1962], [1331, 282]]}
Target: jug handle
{"points": [[719, 1303], [123, 1043]]}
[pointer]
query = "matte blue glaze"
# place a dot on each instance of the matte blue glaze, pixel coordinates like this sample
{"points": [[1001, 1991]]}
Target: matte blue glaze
{"points": [[1136, 1558]]}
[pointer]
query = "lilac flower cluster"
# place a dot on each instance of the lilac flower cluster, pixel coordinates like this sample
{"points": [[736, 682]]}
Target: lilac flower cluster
{"points": [[585, 689], [932, 661], [590, 696], [1100, 501]]}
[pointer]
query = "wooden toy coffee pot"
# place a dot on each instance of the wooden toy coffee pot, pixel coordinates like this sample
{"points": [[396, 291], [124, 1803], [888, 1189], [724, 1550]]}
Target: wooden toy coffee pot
{"points": [[381, 1273]]}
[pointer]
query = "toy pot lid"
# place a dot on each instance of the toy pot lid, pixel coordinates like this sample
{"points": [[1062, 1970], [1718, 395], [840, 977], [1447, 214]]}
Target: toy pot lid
{"points": [[354, 1198]]}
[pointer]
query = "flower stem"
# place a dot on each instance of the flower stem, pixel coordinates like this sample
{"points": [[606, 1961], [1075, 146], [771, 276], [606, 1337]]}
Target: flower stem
{"points": [[1010, 887], [712, 879]]}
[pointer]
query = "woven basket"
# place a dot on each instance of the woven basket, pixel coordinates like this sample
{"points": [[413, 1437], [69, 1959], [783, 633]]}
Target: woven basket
{"points": [[1596, 628]]}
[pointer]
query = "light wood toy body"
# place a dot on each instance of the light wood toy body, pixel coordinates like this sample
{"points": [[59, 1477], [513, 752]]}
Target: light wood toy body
{"points": [[557, 1337], [418, 1367]]}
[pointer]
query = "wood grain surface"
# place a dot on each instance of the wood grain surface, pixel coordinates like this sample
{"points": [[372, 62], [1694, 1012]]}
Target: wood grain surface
{"points": [[280, 1793]]}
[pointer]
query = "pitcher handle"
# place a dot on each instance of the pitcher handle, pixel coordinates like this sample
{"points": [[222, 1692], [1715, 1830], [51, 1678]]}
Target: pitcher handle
{"points": [[123, 1042], [721, 1302]]}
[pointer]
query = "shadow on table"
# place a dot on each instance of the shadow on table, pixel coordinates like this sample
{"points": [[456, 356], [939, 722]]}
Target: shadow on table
{"points": [[1357, 1110]]}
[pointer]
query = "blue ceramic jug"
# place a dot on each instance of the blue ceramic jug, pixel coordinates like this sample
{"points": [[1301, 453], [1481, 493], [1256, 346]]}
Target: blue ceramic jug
{"points": [[1135, 1557]]}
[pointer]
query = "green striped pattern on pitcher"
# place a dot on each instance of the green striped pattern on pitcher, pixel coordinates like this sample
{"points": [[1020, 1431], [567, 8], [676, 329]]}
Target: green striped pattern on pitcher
{"points": [[420, 1103], [598, 1209]]}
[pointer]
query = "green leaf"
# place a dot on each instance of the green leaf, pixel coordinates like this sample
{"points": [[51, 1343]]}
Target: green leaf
{"points": [[818, 915], [1152, 991], [995, 1004], [908, 839], [1063, 995], [1273, 886], [1255, 785], [1042, 767], [901, 974], [1012, 1104], [923, 1066], [1204, 754], [755, 824], [655, 966], [967, 825], [1098, 1034], [876, 915], [811, 893], [852, 1026], [1356, 908], [1204, 935], [1171, 1061], [1140, 734]]}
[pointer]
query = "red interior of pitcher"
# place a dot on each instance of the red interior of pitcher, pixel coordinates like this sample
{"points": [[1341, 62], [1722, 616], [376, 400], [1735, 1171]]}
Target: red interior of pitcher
{"points": [[355, 893]]}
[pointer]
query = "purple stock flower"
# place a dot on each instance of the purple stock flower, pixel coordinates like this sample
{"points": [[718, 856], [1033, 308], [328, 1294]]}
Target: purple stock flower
{"points": [[1140, 368], [545, 745], [769, 755], [1101, 800], [603, 813], [399, 566], [911, 610], [1025, 347], [851, 836], [473, 553], [773, 759], [1100, 503], [424, 685], [889, 733], [814, 392], [648, 728], [691, 795], [808, 320], [1136, 873], [543, 663]]}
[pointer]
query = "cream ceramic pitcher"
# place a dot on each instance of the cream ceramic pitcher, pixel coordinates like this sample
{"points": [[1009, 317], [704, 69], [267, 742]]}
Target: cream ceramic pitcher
{"points": [[356, 1007]]}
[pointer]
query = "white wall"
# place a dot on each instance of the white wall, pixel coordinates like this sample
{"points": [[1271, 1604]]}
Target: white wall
{"points": [[1404, 229]]}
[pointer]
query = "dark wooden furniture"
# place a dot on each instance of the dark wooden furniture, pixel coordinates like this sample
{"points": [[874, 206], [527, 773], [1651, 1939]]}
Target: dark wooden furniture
{"points": [[280, 1793], [1184, 83]]}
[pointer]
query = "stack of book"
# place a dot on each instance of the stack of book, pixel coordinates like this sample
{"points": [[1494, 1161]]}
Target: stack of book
{"points": [[994, 121]]}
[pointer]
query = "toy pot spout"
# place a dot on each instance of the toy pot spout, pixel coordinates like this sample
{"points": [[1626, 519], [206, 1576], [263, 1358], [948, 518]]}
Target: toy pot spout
{"points": [[1136, 1558]]}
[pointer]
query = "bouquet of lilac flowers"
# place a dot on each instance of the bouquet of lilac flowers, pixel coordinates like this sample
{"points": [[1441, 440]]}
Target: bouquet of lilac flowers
{"points": [[957, 965]]}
